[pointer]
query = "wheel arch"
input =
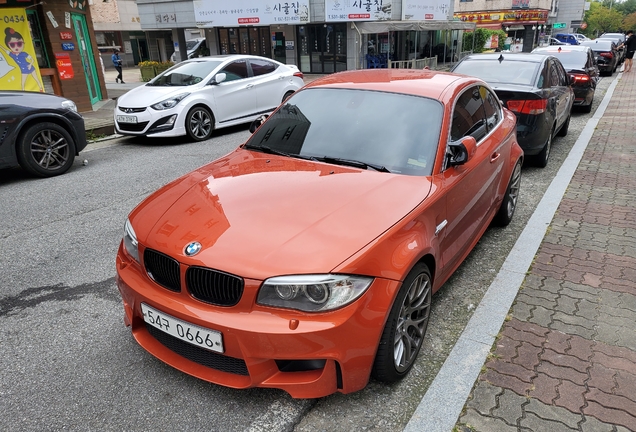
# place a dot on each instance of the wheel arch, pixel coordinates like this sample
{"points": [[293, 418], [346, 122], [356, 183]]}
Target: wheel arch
{"points": [[26, 123], [200, 104]]}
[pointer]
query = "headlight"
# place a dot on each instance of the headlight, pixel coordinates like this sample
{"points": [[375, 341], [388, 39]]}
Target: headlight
{"points": [[69, 105], [169, 103], [312, 293], [130, 241]]}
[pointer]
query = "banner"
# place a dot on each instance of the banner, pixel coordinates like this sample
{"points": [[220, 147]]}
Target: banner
{"points": [[18, 66], [233, 13], [419, 10], [357, 10]]}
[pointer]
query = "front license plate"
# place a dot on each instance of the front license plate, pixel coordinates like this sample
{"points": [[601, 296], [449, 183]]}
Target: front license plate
{"points": [[202, 337], [126, 119]]}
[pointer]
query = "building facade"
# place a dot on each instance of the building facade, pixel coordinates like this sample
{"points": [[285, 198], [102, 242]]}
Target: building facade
{"points": [[320, 36], [50, 47]]}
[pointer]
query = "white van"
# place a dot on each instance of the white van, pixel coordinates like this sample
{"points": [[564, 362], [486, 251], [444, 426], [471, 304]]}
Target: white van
{"points": [[194, 47]]}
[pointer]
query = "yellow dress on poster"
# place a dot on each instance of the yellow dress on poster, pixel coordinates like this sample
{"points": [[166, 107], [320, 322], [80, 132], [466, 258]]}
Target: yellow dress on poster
{"points": [[18, 68]]}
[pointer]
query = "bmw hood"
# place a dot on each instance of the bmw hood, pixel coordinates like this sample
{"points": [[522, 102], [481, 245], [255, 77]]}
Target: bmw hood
{"points": [[146, 95], [258, 215]]}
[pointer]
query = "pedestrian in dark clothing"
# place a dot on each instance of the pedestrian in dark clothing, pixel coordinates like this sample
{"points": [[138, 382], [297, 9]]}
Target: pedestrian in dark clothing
{"points": [[117, 63], [630, 47]]}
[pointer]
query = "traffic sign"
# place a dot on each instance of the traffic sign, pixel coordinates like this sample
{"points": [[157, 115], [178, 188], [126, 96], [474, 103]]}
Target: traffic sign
{"points": [[558, 25]]}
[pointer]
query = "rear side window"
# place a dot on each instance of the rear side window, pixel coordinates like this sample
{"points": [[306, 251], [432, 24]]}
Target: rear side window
{"points": [[262, 67], [236, 70]]}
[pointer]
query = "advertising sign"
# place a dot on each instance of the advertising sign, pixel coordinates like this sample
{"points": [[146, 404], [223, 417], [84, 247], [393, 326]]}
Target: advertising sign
{"points": [[357, 10], [418, 10], [68, 46], [18, 67], [64, 65], [66, 35], [231, 13]]}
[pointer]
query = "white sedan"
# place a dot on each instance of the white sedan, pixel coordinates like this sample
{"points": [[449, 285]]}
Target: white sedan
{"points": [[199, 95]]}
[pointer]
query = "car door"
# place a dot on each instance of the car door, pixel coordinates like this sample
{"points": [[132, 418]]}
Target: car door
{"points": [[558, 93], [269, 83], [234, 98], [472, 187]]}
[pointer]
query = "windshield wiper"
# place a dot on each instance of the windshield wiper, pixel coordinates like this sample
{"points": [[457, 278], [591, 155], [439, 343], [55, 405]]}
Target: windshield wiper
{"points": [[266, 149], [352, 162]]}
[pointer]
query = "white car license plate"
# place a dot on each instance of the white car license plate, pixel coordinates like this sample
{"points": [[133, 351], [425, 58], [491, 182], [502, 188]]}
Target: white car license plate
{"points": [[202, 337], [126, 119]]}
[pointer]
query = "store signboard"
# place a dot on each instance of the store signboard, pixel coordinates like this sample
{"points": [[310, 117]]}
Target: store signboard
{"points": [[357, 10], [64, 66], [420, 10], [558, 25], [232, 13]]}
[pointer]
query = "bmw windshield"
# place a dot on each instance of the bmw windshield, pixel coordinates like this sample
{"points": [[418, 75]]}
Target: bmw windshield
{"points": [[185, 74], [383, 131]]}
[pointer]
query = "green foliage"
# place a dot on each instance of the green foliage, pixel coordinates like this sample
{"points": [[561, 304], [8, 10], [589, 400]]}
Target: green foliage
{"points": [[601, 19], [480, 36], [629, 22]]}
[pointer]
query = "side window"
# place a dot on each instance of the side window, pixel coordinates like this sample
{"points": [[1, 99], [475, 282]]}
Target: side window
{"points": [[553, 79], [468, 116], [262, 67], [236, 70], [492, 109], [563, 78]]}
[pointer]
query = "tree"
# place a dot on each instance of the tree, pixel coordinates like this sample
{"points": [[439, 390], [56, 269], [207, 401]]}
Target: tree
{"points": [[600, 19], [627, 7], [629, 22]]}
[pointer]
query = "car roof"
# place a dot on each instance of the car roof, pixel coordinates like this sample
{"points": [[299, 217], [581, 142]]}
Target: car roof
{"points": [[224, 57], [559, 49], [508, 56], [417, 82], [598, 42]]}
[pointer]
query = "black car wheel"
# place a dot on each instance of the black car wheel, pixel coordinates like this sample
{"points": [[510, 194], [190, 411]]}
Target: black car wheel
{"points": [[564, 128], [542, 158], [587, 108], [287, 95], [199, 123], [405, 328], [509, 203], [45, 150]]}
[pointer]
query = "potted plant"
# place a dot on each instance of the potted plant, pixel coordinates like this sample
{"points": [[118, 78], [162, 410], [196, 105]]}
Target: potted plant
{"points": [[163, 66], [148, 69]]}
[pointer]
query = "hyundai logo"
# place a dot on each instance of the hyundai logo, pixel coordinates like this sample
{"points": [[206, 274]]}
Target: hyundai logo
{"points": [[192, 248]]}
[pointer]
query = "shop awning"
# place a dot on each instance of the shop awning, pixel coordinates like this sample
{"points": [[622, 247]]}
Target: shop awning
{"points": [[387, 26], [491, 26]]}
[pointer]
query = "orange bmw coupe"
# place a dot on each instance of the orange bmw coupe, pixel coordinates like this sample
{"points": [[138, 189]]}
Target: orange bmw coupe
{"points": [[305, 260]]}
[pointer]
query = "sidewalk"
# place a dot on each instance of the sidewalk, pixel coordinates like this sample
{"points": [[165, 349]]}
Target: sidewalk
{"points": [[565, 357], [100, 121]]}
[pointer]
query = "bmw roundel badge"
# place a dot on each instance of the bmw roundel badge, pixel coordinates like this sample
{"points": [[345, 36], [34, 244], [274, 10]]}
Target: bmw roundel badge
{"points": [[192, 248]]}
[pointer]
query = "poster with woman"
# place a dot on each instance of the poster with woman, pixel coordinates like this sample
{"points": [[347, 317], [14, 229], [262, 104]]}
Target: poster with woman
{"points": [[18, 67]]}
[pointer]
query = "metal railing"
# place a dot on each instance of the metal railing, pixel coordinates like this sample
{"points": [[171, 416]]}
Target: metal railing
{"points": [[430, 62]]}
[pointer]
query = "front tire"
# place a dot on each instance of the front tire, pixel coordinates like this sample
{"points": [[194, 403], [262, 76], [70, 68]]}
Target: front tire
{"points": [[45, 150], [509, 203], [405, 328], [199, 123], [542, 158], [564, 128]]}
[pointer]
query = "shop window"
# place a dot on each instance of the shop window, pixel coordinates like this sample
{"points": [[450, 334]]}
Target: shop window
{"points": [[38, 40]]}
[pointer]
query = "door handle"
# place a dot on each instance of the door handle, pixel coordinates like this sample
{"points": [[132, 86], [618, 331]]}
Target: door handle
{"points": [[249, 86], [441, 226], [494, 157]]}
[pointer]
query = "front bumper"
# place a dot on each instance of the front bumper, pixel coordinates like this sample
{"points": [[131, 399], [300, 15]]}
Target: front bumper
{"points": [[306, 355], [149, 122]]}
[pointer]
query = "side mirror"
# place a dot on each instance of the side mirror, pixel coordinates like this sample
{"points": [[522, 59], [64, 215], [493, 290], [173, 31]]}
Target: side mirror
{"points": [[461, 151], [257, 123], [219, 78]]}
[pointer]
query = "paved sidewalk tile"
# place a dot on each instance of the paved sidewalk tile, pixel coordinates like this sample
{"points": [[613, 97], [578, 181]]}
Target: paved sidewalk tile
{"points": [[566, 360]]}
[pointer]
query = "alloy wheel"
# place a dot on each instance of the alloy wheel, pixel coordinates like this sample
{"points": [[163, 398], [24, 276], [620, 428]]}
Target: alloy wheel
{"points": [[200, 124], [412, 322], [50, 149], [513, 190]]}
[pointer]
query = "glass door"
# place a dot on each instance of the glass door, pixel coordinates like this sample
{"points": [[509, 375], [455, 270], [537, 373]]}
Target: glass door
{"points": [[88, 59], [324, 46]]}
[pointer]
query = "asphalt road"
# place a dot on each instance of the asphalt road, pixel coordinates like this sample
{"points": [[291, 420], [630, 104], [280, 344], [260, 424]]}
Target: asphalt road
{"points": [[68, 362]]}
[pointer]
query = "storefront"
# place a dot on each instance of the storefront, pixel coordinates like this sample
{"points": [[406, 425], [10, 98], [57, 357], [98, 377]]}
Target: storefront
{"points": [[525, 28], [50, 47]]}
